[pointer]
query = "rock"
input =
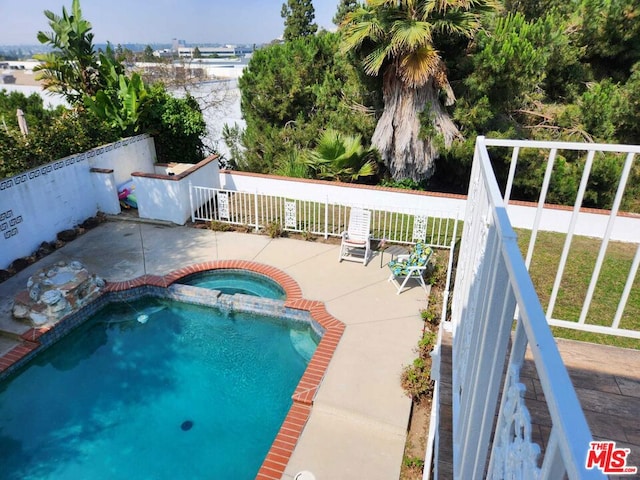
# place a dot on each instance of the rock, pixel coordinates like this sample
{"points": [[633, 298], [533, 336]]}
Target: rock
{"points": [[19, 264], [52, 272], [91, 222], [20, 311], [75, 265], [4, 275], [34, 291], [38, 318], [52, 297], [54, 292], [67, 235], [59, 308], [45, 249]]}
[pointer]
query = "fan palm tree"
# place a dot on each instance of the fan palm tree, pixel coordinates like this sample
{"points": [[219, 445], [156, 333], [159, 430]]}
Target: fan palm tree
{"points": [[341, 157], [396, 40]]}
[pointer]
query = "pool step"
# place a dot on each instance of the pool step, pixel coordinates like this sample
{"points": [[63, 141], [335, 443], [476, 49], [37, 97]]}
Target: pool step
{"points": [[303, 344]]}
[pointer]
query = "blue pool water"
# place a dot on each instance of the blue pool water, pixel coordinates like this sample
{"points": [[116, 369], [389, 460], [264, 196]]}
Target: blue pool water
{"points": [[189, 394], [237, 281]]}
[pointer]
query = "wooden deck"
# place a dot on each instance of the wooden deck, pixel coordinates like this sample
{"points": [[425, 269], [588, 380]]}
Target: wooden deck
{"points": [[606, 379]]}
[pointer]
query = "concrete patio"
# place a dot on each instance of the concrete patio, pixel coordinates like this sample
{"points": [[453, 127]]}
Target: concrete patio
{"points": [[358, 424]]}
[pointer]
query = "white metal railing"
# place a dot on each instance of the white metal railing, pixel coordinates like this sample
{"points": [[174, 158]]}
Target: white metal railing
{"points": [[493, 287], [592, 152], [327, 219]]}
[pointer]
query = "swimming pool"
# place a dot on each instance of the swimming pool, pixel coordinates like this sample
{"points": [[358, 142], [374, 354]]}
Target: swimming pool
{"points": [[190, 393], [232, 281]]}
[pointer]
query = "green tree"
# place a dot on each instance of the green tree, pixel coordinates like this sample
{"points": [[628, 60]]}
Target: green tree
{"points": [[72, 68], [67, 133], [298, 19], [344, 7], [629, 109], [120, 108], [123, 102], [176, 125], [511, 61], [610, 33], [32, 106], [396, 40], [292, 92], [534, 9], [197, 53], [147, 54]]}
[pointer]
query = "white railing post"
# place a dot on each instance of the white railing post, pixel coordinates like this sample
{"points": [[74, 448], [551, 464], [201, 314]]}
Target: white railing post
{"points": [[627, 288], [512, 174], [572, 226], [191, 202], [543, 196], [445, 296], [326, 218], [256, 210], [607, 235]]}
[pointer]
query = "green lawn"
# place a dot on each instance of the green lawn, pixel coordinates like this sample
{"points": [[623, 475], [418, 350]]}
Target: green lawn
{"points": [[575, 282]]}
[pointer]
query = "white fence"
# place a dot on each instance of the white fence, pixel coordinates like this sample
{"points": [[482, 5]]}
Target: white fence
{"points": [[492, 288], [258, 211], [574, 224]]}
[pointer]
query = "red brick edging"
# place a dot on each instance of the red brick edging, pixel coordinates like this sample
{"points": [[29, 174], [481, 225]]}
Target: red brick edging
{"points": [[282, 447]]}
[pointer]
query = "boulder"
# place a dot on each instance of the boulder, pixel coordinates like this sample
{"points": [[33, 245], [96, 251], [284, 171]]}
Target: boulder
{"points": [[56, 291], [67, 235]]}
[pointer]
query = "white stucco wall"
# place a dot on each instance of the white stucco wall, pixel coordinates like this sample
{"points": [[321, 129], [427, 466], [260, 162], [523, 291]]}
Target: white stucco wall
{"points": [[39, 203], [589, 224], [134, 154], [344, 193], [164, 197]]}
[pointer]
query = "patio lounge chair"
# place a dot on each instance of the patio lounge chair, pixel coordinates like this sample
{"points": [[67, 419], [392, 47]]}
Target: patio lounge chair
{"points": [[410, 266], [356, 240]]}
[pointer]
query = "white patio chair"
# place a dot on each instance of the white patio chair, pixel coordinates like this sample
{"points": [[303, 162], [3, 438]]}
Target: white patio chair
{"points": [[356, 240], [410, 266]]}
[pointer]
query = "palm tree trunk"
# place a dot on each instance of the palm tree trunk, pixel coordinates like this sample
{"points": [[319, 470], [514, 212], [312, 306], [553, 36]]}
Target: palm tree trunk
{"points": [[397, 134]]}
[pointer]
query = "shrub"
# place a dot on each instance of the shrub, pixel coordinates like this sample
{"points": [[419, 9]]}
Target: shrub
{"points": [[217, 226], [416, 378], [274, 229]]}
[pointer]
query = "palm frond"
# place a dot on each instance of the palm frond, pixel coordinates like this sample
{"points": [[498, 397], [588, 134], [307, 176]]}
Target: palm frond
{"points": [[358, 28], [419, 66], [340, 157], [409, 35], [373, 62], [458, 22], [293, 165]]}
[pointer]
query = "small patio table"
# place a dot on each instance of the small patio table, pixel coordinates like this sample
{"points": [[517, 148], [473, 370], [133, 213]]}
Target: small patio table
{"points": [[394, 251]]}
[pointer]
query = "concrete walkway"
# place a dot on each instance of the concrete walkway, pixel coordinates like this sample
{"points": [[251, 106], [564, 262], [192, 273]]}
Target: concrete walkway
{"points": [[358, 424]]}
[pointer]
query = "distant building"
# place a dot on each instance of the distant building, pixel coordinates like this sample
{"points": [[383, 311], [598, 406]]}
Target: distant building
{"points": [[8, 79], [176, 44], [164, 53], [216, 52]]}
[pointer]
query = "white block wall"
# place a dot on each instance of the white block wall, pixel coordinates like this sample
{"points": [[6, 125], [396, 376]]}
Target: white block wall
{"points": [[39, 203]]}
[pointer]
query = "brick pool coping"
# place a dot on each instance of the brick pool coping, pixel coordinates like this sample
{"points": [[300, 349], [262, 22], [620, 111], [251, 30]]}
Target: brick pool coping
{"points": [[277, 458]]}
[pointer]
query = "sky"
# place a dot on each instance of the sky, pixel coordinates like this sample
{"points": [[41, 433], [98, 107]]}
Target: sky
{"points": [[159, 21]]}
